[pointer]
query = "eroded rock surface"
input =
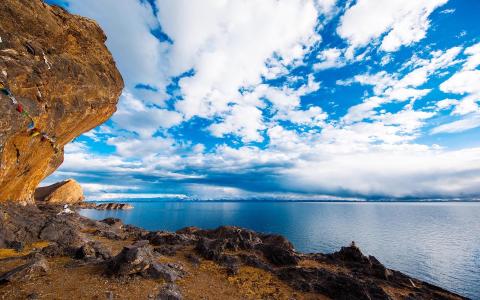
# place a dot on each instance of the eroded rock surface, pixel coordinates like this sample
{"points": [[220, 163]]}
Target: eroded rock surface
{"points": [[68, 191], [57, 69]]}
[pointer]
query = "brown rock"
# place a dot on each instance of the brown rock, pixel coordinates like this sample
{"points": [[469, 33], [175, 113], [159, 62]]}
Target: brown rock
{"points": [[68, 191], [58, 68], [36, 267]]}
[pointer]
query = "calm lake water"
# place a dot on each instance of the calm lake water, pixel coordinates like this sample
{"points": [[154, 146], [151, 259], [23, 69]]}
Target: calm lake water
{"points": [[435, 242]]}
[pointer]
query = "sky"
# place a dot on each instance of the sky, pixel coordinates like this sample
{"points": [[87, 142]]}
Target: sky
{"points": [[286, 100]]}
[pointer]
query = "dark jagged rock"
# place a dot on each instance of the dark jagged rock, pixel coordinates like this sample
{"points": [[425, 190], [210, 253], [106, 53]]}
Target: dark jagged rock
{"points": [[169, 272], [167, 250], [254, 261], [345, 274], [158, 238], [275, 248], [133, 259], [93, 250], [234, 238], [114, 222], [279, 256], [353, 258], [37, 266], [210, 249], [52, 250], [64, 232], [336, 286], [169, 292]]}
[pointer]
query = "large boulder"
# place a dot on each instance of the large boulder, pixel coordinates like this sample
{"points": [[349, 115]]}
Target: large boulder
{"points": [[68, 191], [132, 260], [57, 81]]}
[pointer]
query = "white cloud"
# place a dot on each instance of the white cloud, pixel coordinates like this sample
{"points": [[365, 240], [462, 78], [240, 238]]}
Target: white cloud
{"points": [[93, 188], [473, 60], [446, 103], [463, 82], [313, 116], [448, 11], [363, 110], [468, 122], [232, 44], [403, 22], [133, 115], [329, 58], [141, 147], [400, 173], [244, 121], [400, 86]]}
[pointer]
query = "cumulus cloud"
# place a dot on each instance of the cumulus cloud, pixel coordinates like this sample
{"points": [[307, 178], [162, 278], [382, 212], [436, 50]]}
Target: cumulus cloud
{"points": [[463, 82], [232, 44], [473, 60], [135, 116], [396, 22], [329, 58], [232, 101]]}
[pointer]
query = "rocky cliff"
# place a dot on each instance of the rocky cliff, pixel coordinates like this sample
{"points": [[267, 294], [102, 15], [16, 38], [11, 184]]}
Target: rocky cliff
{"points": [[57, 81]]}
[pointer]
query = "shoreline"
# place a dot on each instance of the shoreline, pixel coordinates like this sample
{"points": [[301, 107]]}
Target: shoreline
{"points": [[233, 256]]}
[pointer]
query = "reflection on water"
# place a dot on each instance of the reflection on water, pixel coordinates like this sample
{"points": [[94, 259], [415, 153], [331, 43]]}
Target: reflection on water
{"points": [[436, 242]]}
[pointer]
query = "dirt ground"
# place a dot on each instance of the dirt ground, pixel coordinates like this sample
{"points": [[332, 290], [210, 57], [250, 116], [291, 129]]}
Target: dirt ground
{"points": [[208, 280]]}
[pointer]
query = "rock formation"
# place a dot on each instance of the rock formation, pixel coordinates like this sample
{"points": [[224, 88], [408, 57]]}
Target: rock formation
{"points": [[68, 191], [224, 263], [57, 81]]}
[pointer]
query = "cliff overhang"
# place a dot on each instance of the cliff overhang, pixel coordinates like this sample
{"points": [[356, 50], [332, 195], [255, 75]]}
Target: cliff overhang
{"points": [[57, 81]]}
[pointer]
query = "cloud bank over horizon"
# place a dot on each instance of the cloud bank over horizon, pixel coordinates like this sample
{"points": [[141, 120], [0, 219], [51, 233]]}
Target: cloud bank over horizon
{"points": [[291, 100]]}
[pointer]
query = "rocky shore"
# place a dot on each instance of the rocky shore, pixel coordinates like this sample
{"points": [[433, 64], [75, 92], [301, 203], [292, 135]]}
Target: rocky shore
{"points": [[57, 81], [48, 253]]}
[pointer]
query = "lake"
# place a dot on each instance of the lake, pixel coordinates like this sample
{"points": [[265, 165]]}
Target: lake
{"points": [[435, 241]]}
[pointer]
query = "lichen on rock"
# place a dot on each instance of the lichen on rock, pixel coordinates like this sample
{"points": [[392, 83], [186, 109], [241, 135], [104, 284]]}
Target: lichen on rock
{"points": [[57, 68]]}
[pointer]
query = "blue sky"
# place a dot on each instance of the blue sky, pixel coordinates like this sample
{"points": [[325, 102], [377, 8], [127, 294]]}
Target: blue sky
{"points": [[300, 99]]}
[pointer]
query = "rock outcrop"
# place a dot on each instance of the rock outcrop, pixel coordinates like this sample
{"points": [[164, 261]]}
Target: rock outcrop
{"points": [[37, 266], [203, 263], [57, 81], [68, 191]]}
